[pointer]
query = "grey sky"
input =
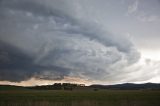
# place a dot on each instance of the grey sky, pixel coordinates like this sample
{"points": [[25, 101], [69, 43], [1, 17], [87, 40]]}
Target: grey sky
{"points": [[106, 41]]}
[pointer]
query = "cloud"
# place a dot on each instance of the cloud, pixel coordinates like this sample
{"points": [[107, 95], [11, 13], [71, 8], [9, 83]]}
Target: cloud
{"points": [[17, 66], [148, 18], [133, 8], [141, 11], [44, 40], [146, 75]]}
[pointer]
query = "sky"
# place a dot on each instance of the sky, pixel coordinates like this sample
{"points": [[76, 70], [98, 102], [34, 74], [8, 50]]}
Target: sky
{"points": [[79, 41]]}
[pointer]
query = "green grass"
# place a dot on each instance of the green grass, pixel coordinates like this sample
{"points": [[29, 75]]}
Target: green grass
{"points": [[11, 87], [79, 98]]}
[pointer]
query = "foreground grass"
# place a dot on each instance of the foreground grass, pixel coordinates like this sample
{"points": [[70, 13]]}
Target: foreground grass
{"points": [[79, 98]]}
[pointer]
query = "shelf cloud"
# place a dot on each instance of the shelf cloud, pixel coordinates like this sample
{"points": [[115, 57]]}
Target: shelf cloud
{"points": [[53, 39]]}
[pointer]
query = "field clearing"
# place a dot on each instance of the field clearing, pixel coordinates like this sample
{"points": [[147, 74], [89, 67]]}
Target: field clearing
{"points": [[79, 98]]}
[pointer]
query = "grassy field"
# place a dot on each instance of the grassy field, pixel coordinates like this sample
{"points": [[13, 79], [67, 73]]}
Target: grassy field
{"points": [[79, 98]]}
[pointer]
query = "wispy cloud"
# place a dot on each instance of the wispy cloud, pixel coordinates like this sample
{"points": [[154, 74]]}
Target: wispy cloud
{"points": [[141, 14], [148, 18], [133, 7]]}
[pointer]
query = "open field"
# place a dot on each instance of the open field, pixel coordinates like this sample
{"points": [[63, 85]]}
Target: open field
{"points": [[79, 98]]}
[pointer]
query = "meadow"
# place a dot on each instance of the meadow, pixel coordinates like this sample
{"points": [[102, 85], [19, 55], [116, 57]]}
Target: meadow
{"points": [[79, 98]]}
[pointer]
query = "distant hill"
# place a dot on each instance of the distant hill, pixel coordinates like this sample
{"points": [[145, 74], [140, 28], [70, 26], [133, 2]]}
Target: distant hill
{"points": [[129, 86]]}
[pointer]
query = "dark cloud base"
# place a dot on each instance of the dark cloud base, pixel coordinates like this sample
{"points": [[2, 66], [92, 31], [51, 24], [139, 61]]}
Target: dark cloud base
{"points": [[15, 65]]}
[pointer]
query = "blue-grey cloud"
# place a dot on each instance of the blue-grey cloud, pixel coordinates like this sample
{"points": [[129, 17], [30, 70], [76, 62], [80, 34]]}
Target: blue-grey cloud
{"points": [[49, 42], [15, 65]]}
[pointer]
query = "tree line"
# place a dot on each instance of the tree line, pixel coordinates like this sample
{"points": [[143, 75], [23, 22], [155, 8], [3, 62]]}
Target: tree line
{"points": [[57, 86]]}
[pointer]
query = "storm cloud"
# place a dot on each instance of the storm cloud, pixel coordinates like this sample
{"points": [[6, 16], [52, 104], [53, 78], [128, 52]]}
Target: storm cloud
{"points": [[48, 40]]}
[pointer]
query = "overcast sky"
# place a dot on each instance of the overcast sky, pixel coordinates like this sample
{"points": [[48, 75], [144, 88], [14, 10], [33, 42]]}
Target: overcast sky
{"points": [[83, 41]]}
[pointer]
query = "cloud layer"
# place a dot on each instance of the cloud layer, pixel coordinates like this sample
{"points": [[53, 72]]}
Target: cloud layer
{"points": [[50, 40]]}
